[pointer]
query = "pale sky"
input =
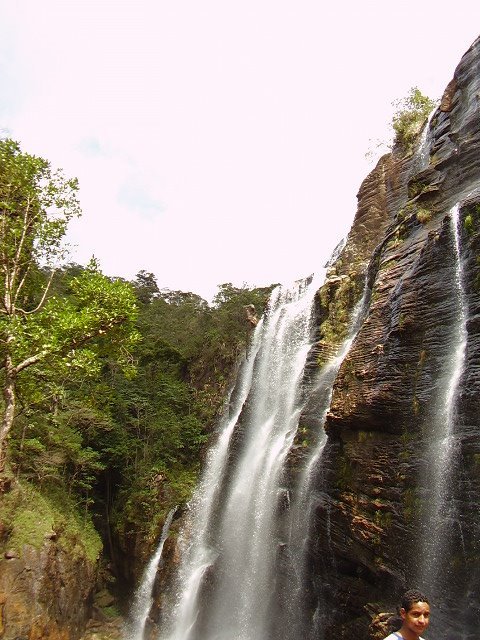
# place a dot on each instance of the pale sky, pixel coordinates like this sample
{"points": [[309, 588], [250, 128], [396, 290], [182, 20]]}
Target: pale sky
{"points": [[217, 140]]}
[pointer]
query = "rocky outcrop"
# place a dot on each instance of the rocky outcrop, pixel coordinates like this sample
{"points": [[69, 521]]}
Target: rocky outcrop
{"points": [[49, 571], [370, 523], [44, 593], [251, 315]]}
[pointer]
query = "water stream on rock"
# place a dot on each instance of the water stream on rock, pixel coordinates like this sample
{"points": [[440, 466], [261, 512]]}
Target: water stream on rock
{"points": [[229, 544], [292, 614], [422, 153], [143, 599], [441, 519]]}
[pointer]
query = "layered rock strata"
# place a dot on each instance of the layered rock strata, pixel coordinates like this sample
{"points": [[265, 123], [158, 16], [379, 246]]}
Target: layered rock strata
{"points": [[371, 521]]}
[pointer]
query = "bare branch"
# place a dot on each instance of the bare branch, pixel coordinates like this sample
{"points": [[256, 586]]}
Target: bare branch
{"points": [[44, 296], [28, 362], [25, 228], [20, 285]]}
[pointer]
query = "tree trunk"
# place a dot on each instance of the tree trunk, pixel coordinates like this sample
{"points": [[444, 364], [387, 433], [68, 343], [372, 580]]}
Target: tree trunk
{"points": [[8, 412]]}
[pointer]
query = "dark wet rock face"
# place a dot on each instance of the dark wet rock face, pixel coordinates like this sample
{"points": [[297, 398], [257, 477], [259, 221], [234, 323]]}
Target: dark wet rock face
{"points": [[372, 517]]}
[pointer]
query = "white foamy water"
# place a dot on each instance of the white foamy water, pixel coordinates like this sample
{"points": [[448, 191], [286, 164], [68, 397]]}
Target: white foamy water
{"points": [[229, 545], [143, 599], [440, 510], [300, 515], [422, 154]]}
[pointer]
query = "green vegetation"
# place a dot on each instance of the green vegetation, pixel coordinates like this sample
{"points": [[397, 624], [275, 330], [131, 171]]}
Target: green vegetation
{"points": [[471, 225], [416, 187], [411, 504], [424, 215], [364, 436], [32, 516], [43, 336], [111, 389], [411, 114], [129, 446], [337, 299], [468, 224], [383, 518], [472, 218], [344, 473]]}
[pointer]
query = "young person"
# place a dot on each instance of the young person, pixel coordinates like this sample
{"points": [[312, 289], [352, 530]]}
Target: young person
{"points": [[415, 614]]}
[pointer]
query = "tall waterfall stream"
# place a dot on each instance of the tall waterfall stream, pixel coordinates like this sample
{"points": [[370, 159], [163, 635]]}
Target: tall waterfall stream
{"points": [[300, 512], [441, 519], [142, 600], [228, 585], [229, 545]]}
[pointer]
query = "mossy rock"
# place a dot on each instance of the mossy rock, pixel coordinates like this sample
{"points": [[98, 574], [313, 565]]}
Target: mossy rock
{"points": [[31, 517]]}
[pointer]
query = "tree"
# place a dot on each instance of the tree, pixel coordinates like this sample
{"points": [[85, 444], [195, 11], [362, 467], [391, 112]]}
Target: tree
{"points": [[146, 286], [38, 329]]}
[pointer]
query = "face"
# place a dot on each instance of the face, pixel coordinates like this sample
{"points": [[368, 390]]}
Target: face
{"points": [[416, 619]]}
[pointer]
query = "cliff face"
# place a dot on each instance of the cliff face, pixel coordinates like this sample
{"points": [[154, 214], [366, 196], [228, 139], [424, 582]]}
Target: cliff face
{"points": [[374, 524], [48, 567], [45, 593], [385, 519]]}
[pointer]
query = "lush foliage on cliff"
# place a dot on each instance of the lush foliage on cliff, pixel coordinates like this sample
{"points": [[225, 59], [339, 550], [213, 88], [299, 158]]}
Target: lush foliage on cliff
{"points": [[410, 117], [127, 448], [110, 388]]}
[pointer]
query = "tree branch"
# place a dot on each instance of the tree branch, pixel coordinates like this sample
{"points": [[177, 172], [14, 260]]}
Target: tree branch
{"points": [[44, 295], [28, 362], [72, 345]]}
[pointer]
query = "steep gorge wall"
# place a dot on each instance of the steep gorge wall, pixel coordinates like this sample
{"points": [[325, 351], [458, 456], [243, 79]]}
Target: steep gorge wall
{"points": [[371, 515], [55, 590], [45, 593], [370, 511]]}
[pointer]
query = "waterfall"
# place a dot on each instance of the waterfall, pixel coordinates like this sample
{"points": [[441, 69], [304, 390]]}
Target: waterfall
{"points": [[230, 543], [300, 516], [143, 600], [441, 520], [323, 387], [422, 154]]}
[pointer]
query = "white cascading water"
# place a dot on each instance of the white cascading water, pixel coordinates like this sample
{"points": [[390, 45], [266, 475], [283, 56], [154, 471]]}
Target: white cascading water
{"points": [[422, 154], [440, 514], [143, 598], [229, 545], [301, 510], [325, 379], [460, 340]]}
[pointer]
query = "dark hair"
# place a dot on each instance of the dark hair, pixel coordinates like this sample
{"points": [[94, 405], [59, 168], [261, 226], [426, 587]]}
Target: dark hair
{"points": [[410, 597]]}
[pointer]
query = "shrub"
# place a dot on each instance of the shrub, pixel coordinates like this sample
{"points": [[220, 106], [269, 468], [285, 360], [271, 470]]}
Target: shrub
{"points": [[468, 223], [424, 216], [411, 114]]}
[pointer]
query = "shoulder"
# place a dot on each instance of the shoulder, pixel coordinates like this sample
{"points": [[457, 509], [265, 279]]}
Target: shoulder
{"points": [[395, 636]]}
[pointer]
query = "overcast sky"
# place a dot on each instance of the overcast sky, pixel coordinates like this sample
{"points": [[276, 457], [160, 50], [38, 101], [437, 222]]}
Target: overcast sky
{"points": [[217, 140]]}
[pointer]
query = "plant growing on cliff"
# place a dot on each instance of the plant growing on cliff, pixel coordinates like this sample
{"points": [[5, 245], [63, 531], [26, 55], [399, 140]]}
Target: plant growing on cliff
{"points": [[40, 333], [411, 113], [424, 215]]}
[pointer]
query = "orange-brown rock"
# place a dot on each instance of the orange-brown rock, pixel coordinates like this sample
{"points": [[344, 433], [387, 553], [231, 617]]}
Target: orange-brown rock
{"points": [[45, 594]]}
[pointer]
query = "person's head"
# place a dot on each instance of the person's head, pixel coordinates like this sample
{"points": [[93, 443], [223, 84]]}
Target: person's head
{"points": [[415, 611]]}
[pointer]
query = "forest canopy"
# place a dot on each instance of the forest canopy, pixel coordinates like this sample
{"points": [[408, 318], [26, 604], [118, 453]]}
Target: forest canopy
{"points": [[110, 388]]}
